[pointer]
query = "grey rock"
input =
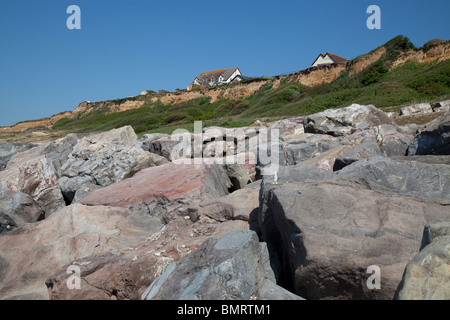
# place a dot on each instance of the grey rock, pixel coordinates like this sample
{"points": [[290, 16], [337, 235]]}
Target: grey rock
{"points": [[230, 268], [165, 146], [309, 147], [51, 199], [419, 108], [57, 152], [148, 138], [426, 276], [345, 121], [8, 149], [239, 175], [430, 159], [17, 209], [84, 191], [103, 159], [107, 276], [443, 106], [239, 205], [391, 141], [328, 233], [428, 181], [69, 186], [434, 138], [269, 290], [31, 172], [36, 251], [351, 154]]}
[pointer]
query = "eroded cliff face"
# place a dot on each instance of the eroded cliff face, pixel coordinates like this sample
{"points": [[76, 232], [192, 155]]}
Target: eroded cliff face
{"points": [[440, 52], [308, 77]]}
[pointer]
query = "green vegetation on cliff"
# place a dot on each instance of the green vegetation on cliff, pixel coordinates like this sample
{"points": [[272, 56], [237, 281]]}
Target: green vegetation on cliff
{"points": [[409, 83]]}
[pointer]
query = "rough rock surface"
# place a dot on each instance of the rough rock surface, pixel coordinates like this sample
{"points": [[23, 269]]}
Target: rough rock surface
{"points": [[240, 204], [31, 172], [419, 108], [434, 138], [74, 232], [406, 177], [234, 267], [426, 276], [392, 141], [107, 276], [344, 121], [103, 159], [174, 189], [126, 275], [308, 146], [328, 233], [8, 149], [17, 209]]}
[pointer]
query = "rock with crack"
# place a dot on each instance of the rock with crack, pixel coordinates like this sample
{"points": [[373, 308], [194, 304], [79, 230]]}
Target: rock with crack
{"points": [[241, 205], [103, 159], [392, 141], [148, 138], [414, 178], [107, 276], [165, 191], [434, 138], [72, 233], [17, 209], [328, 233], [31, 172], [234, 267], [8, 149], [345, 121], [420, 108], [426, 276], [309, 146]]}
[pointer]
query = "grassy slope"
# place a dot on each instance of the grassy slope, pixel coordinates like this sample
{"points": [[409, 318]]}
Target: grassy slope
{"points": [[412, 82]]}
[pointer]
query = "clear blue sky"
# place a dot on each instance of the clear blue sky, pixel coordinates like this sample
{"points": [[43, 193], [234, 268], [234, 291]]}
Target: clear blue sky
{"points": [[127, 46]]}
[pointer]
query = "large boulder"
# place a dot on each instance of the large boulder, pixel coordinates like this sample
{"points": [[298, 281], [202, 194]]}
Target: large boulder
{"points": [[327, 234], [57, 152], [443, 106], [234, 267], [434, 138], [31, 172], [73, 233], [426, 276], [126, 275], [241, 204], [345, 121], [419, 108], [165, 191], [17, 209], [308, 146], [108, 276], [8, 149], [103, 159], [414, 178], [393, 141], [148, 138], [430, 159]]}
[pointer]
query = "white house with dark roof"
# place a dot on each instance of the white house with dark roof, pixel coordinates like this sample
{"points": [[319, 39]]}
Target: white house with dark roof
{"points": [[328, 58], [210, 79]]}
